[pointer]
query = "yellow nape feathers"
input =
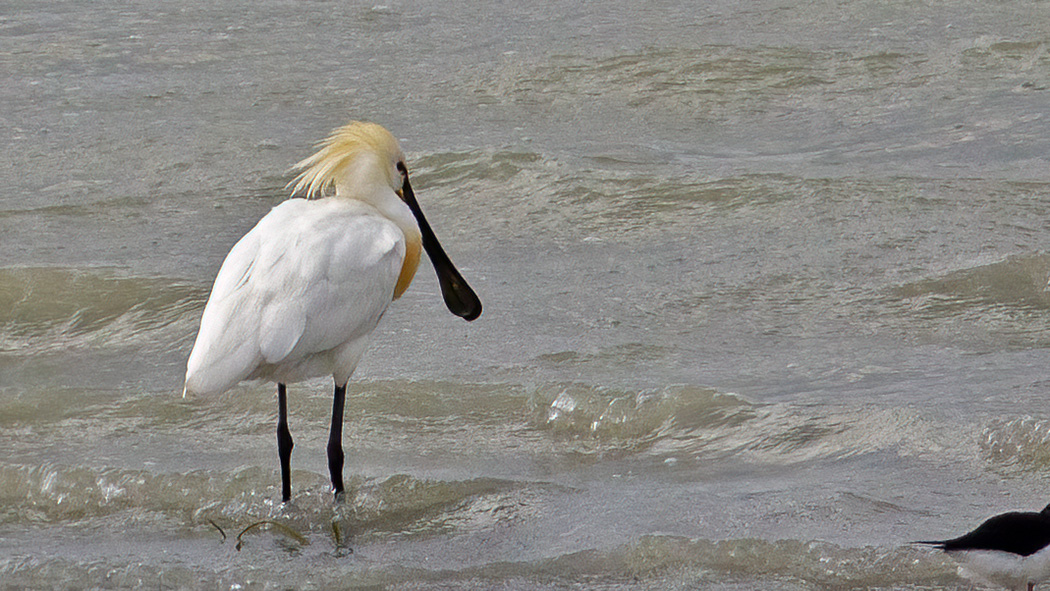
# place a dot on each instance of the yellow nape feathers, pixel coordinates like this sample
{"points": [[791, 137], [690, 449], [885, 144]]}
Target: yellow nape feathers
{"points": [[338, 151]]}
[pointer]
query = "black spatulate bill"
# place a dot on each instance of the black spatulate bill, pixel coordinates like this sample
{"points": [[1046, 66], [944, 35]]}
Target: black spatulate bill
{"points": [[459, 297]]}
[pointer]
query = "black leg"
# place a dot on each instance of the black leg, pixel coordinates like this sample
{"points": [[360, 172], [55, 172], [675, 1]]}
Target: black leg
{"points": [[335, 440], [284, 444]]}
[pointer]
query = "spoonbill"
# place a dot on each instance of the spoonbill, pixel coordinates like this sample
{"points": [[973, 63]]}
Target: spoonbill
{"points": [[300, 294], [1010, 550]]}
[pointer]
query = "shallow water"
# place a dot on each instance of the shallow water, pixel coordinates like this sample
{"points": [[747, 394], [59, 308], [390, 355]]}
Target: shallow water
{"points": [[764, 293]]}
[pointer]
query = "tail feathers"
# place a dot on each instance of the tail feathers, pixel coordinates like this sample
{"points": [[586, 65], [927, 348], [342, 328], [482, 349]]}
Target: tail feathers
{"points": [[941, 544]]}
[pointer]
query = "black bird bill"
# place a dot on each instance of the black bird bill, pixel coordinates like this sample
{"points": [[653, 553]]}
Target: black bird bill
{"points": [[459, 297]]}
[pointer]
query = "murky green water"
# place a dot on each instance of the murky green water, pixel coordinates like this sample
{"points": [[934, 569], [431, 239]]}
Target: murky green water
{"points": [[764, 293]]}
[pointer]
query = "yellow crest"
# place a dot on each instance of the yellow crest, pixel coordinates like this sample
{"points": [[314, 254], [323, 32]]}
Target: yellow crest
{"points": [[338, 150]]}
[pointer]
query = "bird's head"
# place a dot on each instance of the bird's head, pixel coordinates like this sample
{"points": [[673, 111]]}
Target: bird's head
{"points": [[364, 161], [356, 159]]}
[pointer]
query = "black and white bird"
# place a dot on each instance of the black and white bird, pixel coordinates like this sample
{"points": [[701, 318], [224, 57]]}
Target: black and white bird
{"points": [[1010, 550]]}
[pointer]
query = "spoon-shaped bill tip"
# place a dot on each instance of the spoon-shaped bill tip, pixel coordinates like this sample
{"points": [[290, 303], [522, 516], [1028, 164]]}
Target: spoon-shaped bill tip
{"points": [[459, 297]]}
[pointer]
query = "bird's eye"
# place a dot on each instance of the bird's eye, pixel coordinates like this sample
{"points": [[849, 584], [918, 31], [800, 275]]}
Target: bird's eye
{"points": [[401, 168]]}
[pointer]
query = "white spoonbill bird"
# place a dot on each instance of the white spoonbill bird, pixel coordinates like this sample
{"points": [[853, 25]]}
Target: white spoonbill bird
{"points": [[1010, 550], [299, 295]]}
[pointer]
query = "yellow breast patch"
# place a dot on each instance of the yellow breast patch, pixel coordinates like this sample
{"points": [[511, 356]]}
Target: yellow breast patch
{"points": [[413, 249]]}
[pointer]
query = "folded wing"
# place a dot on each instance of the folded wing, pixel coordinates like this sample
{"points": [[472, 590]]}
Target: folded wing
{"points": [[311, 278]]}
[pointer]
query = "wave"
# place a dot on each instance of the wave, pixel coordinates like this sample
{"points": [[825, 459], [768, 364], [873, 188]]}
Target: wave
{"points": [[651, 562], [543, 195], [443, 519], [1003, 303], [467, 423], [698, 424], [713, 80], [43, 310], [1017, 284], [399, 504], [1020, 444]]}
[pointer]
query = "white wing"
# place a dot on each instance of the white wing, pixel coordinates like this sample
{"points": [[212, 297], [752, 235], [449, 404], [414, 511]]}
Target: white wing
{"points": [[310, 278]]}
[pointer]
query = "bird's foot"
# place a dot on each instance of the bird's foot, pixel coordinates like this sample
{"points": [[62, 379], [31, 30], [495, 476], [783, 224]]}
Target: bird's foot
{"points": [[288, 508]]}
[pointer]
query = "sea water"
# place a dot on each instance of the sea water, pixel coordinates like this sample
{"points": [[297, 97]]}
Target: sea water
{"points": [[764, 290]]}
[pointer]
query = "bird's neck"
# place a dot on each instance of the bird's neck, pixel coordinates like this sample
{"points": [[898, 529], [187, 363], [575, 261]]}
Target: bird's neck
{"points": [[383, 199], [365, 179]]}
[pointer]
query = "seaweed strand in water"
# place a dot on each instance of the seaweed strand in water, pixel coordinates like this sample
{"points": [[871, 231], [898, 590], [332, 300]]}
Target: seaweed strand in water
{"points": [[284, 529]]}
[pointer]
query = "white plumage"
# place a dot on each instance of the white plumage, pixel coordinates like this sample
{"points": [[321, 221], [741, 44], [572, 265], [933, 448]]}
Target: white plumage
{"points": [[1004, 569], [298, 296]]}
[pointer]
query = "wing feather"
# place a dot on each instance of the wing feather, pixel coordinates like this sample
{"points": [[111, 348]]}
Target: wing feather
{"points": [[311, 277]]}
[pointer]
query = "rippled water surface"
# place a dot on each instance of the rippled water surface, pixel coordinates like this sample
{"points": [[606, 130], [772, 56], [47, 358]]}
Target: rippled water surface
{"points": [[764, 285]]}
